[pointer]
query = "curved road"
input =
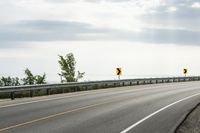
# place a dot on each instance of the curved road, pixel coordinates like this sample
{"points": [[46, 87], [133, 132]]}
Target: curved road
{"points": [[156, 108]]}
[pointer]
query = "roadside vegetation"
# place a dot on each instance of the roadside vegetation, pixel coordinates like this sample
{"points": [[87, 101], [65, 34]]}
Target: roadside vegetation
{"points": [[68, 69], [29, 79], [68, 74]]}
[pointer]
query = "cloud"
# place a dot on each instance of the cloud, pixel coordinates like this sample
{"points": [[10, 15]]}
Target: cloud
{"points": [[170, 36], [107, 1], [62, 1], [161, 36], [185, 17], [172, 9], [92, 1], [168, 22], [43, 30], [88, 27], [196, 5]]}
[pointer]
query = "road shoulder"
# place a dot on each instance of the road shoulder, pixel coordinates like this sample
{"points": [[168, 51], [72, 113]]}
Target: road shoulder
{"points": [[191, 122]]}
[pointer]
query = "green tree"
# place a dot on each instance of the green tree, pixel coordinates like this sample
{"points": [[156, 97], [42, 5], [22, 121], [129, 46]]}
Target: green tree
{"points": [[79, 75], [29, 79], [15, 81], [1, 83], [40, 79], [8, 81], [5, 81], [67, 65]]}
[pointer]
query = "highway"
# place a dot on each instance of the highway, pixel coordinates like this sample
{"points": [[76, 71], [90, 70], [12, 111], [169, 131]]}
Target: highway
{"points": [[155, 108]]}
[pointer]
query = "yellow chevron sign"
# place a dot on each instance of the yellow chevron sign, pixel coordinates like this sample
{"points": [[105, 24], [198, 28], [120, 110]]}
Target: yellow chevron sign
{"points": [[118, 71], [185, 71]]}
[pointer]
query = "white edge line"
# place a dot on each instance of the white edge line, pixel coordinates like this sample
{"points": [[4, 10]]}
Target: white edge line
{"points": [[147, 117]]}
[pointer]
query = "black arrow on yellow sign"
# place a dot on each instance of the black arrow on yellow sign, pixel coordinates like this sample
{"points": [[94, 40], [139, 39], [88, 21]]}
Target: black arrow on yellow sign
{"points": [[118, 71], [185, 71]]}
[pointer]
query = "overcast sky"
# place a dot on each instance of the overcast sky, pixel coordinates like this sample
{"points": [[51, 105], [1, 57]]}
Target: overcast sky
{"points": [[147, 38]]}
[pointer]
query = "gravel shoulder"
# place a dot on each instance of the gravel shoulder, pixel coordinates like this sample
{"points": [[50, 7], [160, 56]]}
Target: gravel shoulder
{"points": [[191, 124]]}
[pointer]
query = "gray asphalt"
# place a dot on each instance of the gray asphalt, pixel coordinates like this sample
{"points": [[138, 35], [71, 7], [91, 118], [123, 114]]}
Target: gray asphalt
{"points": [[101, 111]]}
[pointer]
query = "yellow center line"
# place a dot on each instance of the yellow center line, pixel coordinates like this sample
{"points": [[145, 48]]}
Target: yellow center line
{"points": [[61, 113], [51, 116], [55, 115]]}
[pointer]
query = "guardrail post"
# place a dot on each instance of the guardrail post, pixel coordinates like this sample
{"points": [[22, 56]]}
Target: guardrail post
{"points": [[63, 90], [76, 88], [31, 93], [12, 95], [96, 86], [106, 85], [114, 84], [48, 91], [117, 84], [86, 87]]}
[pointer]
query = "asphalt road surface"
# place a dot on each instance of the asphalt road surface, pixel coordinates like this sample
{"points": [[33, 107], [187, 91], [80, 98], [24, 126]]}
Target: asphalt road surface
{"points": [[156, 108]]}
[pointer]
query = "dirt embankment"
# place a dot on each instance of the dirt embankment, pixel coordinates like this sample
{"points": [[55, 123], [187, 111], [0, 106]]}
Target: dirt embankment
{"points": [[191, 124]]}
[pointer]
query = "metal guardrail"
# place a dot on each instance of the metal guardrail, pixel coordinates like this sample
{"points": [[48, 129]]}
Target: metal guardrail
{"points": [[94, 84]]}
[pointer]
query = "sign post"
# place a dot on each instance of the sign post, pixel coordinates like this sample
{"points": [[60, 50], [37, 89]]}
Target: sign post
{"points": [[119, 72]]}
